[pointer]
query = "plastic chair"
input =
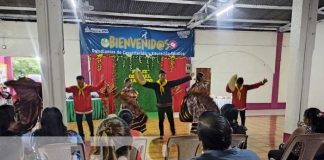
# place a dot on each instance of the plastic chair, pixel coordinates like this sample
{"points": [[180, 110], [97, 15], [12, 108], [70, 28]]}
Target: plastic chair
{"points": [[139, 149], [311, 144], [239, 140], [187, 146], [62, 151]]}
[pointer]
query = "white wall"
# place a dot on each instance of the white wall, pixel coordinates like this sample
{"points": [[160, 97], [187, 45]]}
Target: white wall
{"points": [[316, 91], [22, 41], [248, 54]]}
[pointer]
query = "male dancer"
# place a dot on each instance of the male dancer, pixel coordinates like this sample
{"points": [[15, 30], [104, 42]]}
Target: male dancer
{"points": [[82, 102], [162, 88], [239, 93]]}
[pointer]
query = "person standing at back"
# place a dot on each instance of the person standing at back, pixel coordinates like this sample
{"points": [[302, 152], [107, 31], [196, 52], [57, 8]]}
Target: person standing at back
{"points": [[162, 88], [82, 102], [239, 91]]}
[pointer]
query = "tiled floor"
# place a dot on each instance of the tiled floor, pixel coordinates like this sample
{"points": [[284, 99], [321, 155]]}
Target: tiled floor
{"points": [[265, 133]]}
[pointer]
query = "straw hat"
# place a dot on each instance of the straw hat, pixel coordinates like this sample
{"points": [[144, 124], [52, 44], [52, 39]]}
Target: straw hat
{"points": [[139, 77]]}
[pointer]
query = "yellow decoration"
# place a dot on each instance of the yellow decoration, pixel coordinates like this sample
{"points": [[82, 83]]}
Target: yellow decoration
{"points": [[99, 61]]}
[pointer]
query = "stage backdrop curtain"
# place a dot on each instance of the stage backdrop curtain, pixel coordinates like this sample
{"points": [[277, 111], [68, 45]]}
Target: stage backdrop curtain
{"points": [[103, 65], [150, 66], [175, 67]]}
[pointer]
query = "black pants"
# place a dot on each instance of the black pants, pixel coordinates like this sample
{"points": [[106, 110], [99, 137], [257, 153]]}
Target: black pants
{"points": [[79, 118], [169, 113], [242, 115]]}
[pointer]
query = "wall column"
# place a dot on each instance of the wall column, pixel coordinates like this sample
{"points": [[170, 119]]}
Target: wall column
{"points": [[51, 44], [302, 40]]}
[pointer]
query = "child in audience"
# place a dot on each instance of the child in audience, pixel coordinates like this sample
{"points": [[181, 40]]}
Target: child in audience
{"points": [[127, 116], [216, 135], [118, 133], [314, 123], [230, 112]]}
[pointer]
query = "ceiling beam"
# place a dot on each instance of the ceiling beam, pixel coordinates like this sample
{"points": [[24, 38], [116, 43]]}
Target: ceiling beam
{"points": [[101, 20], [211, 15], [252, 21], [104, 13], [129, 22], [274, 28], [263, 7], [174, 1], [287, 27], [137, 15], [200, 11], [320, 9]]}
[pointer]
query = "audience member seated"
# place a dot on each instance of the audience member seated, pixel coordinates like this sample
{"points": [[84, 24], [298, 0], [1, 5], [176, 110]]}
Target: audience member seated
{"points": [[51, 125], [114, 128], [313, 123], [230, 112], [7, 120], [216, 135], [127, 116]]}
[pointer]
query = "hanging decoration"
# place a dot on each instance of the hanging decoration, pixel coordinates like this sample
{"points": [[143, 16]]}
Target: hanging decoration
{"points": [[172, 62], [140, 59], [99, 62]]}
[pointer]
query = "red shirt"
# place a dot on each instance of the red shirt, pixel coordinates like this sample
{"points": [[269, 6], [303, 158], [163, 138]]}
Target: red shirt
{"points": [[240, 101], [82, 102]]}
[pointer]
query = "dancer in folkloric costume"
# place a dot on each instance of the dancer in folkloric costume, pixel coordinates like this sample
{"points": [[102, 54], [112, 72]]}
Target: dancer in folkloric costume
{"points": [[239, 91], [82, 102], [105, 93], [128, 97], [162, 89], [197, 101], [28, 105]]}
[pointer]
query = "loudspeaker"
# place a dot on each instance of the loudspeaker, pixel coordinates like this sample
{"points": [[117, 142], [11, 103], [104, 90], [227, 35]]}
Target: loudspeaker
{"points": [[188, 68]]}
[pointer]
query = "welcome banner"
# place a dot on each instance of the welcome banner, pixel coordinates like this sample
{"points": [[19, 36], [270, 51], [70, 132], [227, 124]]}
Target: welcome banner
{"points": [[102, 39]]}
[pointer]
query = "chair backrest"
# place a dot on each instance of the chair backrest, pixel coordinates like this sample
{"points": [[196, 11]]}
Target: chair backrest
{"points": [[310, 145], [187, 146], [239, 140], [138, 148], [62, 151]]}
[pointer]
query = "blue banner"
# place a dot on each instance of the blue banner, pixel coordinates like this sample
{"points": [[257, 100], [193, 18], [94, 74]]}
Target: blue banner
{"points": [[102, 39]]}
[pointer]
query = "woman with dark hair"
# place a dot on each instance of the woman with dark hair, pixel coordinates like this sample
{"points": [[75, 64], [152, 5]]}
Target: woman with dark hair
{"points": [[128, 97], [7, 120], [197, 101], [313, 123], [51, 124], [114, 133]]}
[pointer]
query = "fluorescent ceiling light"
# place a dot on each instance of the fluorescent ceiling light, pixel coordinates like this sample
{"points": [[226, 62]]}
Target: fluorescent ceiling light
{"points": [[224, 10]]}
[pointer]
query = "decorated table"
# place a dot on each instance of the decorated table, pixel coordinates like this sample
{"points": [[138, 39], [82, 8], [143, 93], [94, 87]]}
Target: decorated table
{"points": [[96, 106], [222, 100]]}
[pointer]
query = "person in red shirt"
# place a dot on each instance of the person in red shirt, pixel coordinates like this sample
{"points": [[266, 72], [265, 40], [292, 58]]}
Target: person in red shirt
{"points": [[82, 102], [239, 90]]}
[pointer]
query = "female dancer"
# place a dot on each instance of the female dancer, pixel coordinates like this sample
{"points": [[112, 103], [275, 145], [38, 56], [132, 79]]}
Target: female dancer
{"points": [[128, 97], [197, 101]]}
